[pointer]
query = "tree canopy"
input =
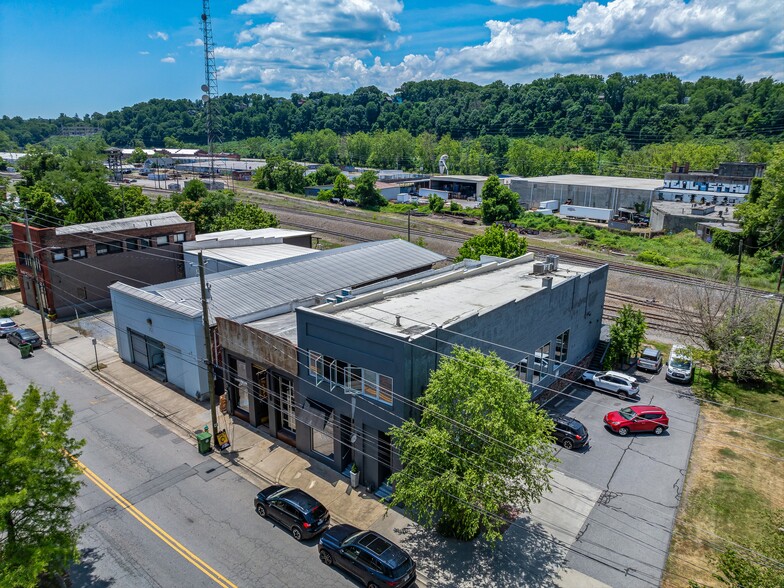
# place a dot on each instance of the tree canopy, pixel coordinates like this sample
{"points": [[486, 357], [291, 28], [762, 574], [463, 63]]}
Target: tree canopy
{"points": [[626, 335], [496, 242], [499, 202], [38, 487], [479, 448]]}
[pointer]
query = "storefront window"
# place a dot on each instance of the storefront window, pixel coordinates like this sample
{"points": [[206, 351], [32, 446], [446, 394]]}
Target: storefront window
{"points": [[323, 440]]}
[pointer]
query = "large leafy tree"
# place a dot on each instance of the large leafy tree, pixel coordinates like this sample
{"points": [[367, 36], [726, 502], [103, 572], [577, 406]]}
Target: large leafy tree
{"points": [[247, 216], [366, 192], [496, 242], [499, 202], [38, 487], [626, 335], [480, 447]]}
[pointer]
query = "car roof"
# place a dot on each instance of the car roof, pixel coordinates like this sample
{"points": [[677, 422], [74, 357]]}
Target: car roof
{"points": [[27, 332], [646, 407], [651, 351], [566, 420], [619, 374], [383, 548], [300, 498], [7, 321]]}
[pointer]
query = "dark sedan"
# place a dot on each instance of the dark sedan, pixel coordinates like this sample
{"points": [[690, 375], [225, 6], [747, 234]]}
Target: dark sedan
{"points": [[296, 510], [366, 555], [16, 338]]}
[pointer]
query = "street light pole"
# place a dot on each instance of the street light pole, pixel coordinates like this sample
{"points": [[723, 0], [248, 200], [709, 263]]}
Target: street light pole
{"points": [[208, 349]]}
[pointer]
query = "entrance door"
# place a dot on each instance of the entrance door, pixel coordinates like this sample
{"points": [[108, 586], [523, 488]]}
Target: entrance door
{"points": [[282, 391], [384, 457], [261, 395], [345, 441]]}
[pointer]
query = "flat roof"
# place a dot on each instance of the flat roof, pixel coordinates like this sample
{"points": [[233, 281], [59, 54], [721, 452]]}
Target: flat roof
{"points": [[162, 219], [255, 254], [684, 209], [730, 228], [282, 325], [447, 299], [598, 181], [452, 178], [279, 286], [242, 234]]}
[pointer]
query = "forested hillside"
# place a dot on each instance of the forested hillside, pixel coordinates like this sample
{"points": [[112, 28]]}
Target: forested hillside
{"points": [[614, 115]]}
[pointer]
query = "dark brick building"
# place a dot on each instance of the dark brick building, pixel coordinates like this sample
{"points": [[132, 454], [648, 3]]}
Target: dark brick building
{"points": [[77, 264]]}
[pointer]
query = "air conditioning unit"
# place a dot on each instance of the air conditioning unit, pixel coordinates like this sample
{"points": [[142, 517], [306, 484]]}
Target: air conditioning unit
{"points": [[540, 268], [346, 292], [552, 260]]}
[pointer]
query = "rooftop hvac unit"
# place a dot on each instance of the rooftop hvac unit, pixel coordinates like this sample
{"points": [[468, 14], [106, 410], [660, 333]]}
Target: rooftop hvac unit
{"points": [[346, 292], [331, 300], [339, 298], [552, 261], [540, 268]]}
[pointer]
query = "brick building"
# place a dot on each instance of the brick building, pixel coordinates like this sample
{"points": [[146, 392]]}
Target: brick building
{"points": [[77, 264]]}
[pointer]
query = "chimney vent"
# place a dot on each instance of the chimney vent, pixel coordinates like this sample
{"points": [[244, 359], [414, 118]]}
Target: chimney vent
{"points": [[547, 282], [397, 320]]}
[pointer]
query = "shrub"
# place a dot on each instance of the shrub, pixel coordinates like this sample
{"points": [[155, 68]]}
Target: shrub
{"points": [[654, 258], [9, 311]]}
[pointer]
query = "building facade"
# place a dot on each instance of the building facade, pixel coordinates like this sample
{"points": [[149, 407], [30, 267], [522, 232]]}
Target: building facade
{"points": [[609, 192], [76, 264]]}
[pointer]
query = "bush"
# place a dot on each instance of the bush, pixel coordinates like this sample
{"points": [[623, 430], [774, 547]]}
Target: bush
{"points": [[586, 231], [654, 258], [9, 311], [324, 195]]}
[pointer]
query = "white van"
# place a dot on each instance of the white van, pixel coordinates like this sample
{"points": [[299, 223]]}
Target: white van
{"points": [[680, 366]]}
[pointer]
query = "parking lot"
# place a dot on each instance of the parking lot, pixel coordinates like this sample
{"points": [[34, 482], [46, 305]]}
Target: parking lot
{"points": [[639, 479]]}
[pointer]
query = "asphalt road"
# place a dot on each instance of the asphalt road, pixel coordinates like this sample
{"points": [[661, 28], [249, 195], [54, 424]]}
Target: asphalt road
{"points": [[625, 539], [200, 527]]}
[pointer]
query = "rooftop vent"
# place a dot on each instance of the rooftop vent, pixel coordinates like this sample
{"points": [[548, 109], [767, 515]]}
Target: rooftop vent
{"points": [[540, 268], [547, 282]]}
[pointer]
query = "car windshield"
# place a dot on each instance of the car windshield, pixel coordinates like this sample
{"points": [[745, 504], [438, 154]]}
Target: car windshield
{"points": [[627, 413], [680, 363], [352, 538]]}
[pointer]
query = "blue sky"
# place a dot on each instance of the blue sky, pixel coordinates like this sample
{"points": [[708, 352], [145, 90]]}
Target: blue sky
{"points": [[82, 57]]}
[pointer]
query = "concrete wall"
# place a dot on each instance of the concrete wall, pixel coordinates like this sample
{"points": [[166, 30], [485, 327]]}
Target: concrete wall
{"points": [[182, 338], [662, 220], [532, 193]]}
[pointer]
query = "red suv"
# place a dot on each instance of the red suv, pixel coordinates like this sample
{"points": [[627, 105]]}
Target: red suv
{"points": [[637, 419]]}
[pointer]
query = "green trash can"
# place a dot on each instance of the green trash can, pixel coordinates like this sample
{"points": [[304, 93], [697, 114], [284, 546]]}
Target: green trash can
{"points": [[25, 349], [205, 442]]}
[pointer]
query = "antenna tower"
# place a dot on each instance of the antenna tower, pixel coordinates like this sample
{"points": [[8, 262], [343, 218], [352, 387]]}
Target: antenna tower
{"points": [[210, 86]]}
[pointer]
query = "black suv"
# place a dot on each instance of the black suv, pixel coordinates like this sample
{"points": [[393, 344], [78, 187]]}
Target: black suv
{"points": [[296, 510], [569, 432], [368, 556]]}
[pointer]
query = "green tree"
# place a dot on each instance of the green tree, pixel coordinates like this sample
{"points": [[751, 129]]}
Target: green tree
{"points": [[496, 242], [38, 487], [366, 192], [324, 175], [138, 156], [85, 208], [626, 335], [499, 202], [436, 203], [246, 216], [194, 190], [341, 188], [41, 205], [480, 446]]}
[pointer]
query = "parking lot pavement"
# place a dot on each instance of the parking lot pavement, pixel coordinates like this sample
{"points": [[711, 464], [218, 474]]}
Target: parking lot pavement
{"points": [[625, 538]]}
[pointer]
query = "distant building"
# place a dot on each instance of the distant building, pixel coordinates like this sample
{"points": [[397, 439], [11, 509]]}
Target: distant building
{"points": [[707, 230], [77, 263], [729, 184], [459, 186], [609, 192]]}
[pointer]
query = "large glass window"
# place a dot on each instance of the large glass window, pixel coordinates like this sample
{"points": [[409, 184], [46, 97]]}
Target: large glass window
{"points": [[351, 378], [562, 346], [59, 255], [323, 438], [161, 240], [541, 365], [78, 252]]}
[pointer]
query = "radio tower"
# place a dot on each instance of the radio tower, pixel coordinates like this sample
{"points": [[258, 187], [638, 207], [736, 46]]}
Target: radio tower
{"points": [[210, 86]]}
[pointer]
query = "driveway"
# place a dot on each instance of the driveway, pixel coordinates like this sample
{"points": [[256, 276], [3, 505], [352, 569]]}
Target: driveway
{"points": [[625, 538]]}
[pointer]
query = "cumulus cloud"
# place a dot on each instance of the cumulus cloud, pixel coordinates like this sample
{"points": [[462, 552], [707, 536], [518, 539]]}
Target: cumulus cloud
{"points": [[144, 52], [533, 3], [168, 60], [338, 45], [159, 35], [196, 43]]}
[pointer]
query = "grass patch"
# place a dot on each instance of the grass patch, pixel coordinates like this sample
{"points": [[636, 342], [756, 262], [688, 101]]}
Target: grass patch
{"points": [[728, 453]]}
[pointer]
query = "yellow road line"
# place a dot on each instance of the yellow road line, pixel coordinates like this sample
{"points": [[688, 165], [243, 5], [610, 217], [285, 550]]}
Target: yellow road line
{"points": [[155, 529]]}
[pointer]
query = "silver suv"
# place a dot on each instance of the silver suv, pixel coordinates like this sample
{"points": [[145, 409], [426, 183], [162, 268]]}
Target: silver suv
{"points": [[680, 367], [615, 382]]}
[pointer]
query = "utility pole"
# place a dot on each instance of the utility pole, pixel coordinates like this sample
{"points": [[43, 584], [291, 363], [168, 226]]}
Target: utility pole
{"points": [[34, 262], [409, 225], [208, 349]]}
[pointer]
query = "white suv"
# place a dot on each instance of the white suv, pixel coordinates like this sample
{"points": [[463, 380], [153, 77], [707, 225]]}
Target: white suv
{"points": [[615, 382], [680, 367]]}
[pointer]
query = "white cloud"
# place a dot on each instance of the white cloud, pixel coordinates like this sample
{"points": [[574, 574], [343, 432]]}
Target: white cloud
{"points": [[159, 35], [144, 52], [195, 43], [168, 60], [337, 45], [533, 3]]}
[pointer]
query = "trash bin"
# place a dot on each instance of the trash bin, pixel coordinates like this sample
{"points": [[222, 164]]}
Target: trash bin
{"points": [[25, 349], [205, 442]]}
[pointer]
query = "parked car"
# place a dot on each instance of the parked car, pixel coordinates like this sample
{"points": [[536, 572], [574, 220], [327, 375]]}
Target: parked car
{"points": [[680, 367], [293, 508], [569, 432], [615, 382], [637, 419], [650, 360], [350, 202], [19, 336], [366, 555], [6, 326]]}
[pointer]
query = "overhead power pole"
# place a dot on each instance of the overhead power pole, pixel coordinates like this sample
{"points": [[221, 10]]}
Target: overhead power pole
{"points": [[41, 297], [208, 349]]}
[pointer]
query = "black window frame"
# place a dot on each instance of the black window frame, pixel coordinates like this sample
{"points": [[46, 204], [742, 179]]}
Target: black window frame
{"points": [[158, 239], [56, 252], [131, 244], [78, 252]]}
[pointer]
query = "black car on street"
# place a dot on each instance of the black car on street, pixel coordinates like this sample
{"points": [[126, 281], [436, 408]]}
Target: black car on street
{"points": [[294, 509], [372, 559], [16, 338]]}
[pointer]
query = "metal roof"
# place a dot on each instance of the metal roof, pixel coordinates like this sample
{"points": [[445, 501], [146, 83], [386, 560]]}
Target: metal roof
{"points": [[255, 254], [280, 286], [162, 219], [597, 181]]}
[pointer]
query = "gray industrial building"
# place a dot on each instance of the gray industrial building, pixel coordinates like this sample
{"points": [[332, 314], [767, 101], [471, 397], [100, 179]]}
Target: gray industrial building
{"points": [[365, 359], [581, 190]]}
